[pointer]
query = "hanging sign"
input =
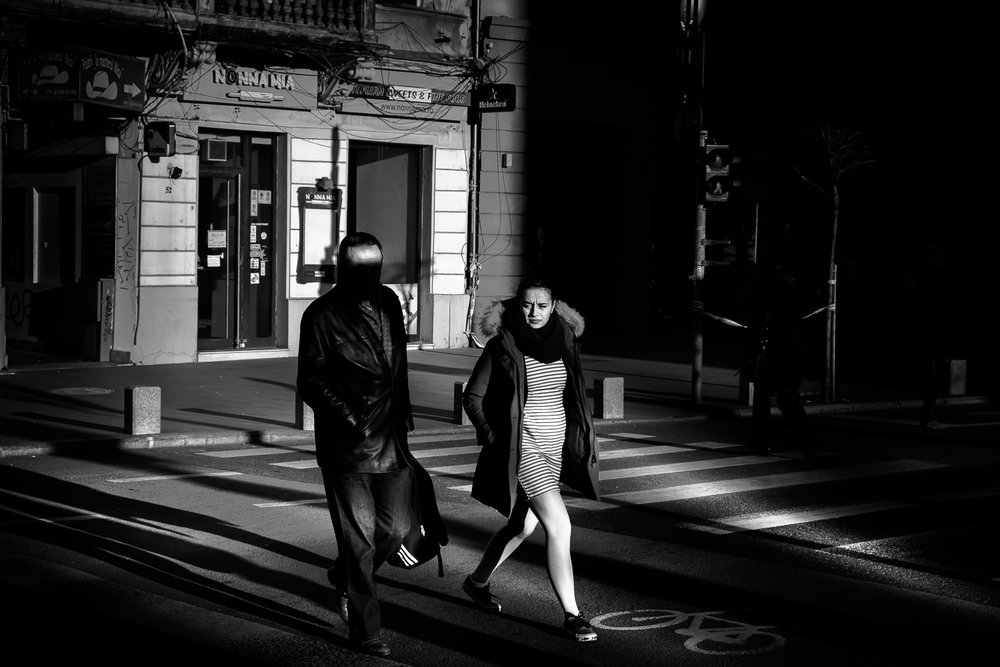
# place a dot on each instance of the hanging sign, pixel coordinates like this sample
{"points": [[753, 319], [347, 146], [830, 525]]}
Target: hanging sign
{"points": [[77, 74], [321, 198], [495, 97]]}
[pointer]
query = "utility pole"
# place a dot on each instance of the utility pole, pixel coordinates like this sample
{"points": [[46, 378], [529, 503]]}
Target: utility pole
{"points": [[475, 167], [697, 298]]}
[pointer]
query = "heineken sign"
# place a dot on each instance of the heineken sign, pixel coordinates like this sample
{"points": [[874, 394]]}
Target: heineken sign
{"points": [[495, 97]]}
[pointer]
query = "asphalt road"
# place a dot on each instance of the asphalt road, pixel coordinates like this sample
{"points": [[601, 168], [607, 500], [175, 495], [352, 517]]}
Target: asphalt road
{"points": [[878, 548]]}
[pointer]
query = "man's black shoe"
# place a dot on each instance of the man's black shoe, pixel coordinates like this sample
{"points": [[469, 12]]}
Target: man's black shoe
{"points": [[371, 646], [331, 574]]}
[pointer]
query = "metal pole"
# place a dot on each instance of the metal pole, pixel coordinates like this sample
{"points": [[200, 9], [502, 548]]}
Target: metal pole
{"points": [[693, 77], [697, 305], [832, 312]]}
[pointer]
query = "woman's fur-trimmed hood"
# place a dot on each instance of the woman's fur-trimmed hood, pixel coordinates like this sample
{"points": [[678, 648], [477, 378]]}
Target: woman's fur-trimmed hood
{"points": [[490, 322]]}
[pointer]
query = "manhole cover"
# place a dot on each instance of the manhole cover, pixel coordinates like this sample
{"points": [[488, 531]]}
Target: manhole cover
{"points": [[76, 391]]}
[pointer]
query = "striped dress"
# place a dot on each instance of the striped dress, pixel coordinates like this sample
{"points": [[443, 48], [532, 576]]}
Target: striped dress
{"points": [[544, 428]]}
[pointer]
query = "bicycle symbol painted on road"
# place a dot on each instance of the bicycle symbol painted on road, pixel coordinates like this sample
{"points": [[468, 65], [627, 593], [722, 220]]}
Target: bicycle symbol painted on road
{"points": [[707, 632]]}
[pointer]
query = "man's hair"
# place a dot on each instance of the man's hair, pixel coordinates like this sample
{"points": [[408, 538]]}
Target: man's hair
{"points": [[356, 240]]}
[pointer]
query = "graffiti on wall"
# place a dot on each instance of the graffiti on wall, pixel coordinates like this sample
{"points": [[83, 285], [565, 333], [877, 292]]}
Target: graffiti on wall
{"points": [[126, 255], [18, 307]]}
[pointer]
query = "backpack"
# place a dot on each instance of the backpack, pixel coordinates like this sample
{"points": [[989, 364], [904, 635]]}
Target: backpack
{"points": [[427, 532]]}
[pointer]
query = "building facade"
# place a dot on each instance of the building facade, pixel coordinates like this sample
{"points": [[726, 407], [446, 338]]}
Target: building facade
{"points": [[176, 180]]}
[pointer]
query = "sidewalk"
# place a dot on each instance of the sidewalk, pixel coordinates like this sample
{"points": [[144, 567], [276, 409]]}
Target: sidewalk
{"points": [[77, 407]]}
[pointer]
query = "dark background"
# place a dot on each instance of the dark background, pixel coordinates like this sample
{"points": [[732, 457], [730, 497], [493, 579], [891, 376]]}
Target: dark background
{"points": [[917, 239]]}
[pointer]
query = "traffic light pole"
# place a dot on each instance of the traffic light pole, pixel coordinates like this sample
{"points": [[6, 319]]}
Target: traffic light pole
{"points": [[697, 279], [692, 74]]}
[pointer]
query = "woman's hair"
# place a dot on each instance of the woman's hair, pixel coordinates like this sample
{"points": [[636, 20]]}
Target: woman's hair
{"points": [[534, 282]]}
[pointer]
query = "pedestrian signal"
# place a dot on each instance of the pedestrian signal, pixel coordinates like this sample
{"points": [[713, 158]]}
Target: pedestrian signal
{"points": [[721, 177]]}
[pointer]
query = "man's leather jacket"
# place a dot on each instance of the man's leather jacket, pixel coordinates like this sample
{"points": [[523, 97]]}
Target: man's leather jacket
{"points": [[355, 380]]}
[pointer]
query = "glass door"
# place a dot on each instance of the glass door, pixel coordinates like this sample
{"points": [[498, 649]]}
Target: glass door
{"points": [[236, 277]]}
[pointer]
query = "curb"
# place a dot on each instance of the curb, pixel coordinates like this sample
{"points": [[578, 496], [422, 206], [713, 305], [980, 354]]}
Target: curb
{"points": [[234, 438], [871, 406], [291, 436]]}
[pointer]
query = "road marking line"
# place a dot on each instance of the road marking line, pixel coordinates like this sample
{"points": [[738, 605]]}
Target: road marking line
{"points": [[419, 439], [303, 464], [467, 468], [306, 464], [735, 524], [741, 485], [463, 469], [630, 435], [292, 503], [653, 450], [256, 451], [446, 451], [764, 521], [688, 466], [80, 515], [33, 519], [158, 478]]}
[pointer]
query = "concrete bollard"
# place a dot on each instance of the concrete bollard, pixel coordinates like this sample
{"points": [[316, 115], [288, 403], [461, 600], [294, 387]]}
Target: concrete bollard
{"points": [[952, 376], [142, 410], [609, 398], [458, 412], [305, 419]]}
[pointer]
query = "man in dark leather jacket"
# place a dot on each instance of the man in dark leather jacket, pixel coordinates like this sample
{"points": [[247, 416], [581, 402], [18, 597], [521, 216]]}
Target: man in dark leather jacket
{"points": [[352, 372]]}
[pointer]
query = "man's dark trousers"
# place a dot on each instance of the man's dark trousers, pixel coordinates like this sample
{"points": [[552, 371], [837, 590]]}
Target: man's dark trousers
{"points": [[374, 511]]}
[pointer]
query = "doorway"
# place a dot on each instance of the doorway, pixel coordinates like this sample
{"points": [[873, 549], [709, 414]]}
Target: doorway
{"points": [[239, 267], [389, 196]]}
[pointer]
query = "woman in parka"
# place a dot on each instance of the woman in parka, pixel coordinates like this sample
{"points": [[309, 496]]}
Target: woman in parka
{"points": [[527, 400]]}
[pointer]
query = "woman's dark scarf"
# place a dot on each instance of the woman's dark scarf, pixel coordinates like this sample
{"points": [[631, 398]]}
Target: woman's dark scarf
{"points": [[544, 344]]}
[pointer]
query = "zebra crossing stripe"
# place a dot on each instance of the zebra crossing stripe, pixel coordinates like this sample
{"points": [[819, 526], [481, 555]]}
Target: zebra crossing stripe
{"points": [[304, 464], [640, 471], [741, 485], [688, 466], [765, 521], [446, 451], [158, 478], [257, 451], [611, 454], [469, 468], [727, 525], [653, 450], [292, 503], [420, 439]]}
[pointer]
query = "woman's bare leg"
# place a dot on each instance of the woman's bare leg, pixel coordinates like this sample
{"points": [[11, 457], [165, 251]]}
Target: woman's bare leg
{"points": [[519, 526], [551, 512]]}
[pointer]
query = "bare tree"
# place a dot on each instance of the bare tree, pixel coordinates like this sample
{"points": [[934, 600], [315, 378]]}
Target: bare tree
{"points": [[843, 151]]}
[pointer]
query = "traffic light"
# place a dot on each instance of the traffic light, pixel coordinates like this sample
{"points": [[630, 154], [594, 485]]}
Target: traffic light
{"points": [[721, 176]]}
